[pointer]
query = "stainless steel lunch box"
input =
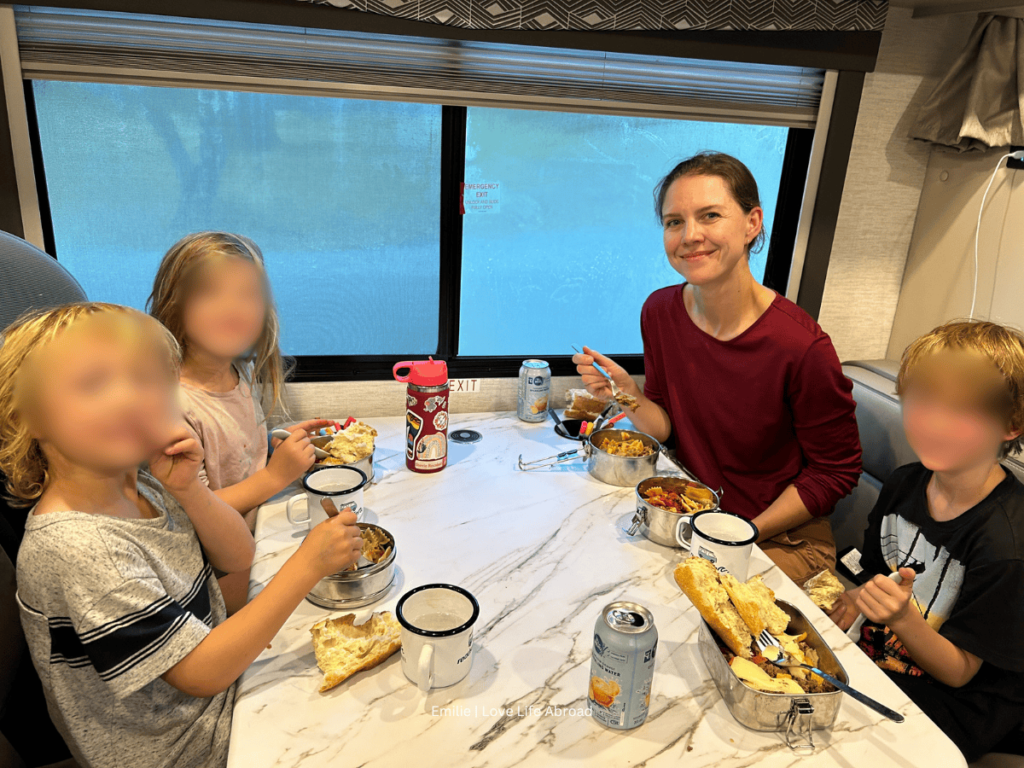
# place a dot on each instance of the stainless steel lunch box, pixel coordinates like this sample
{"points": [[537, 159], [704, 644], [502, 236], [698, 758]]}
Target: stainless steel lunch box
{"points": [[620, 470], [795, 715], [352, 589], [365, 463], [657, 523]]}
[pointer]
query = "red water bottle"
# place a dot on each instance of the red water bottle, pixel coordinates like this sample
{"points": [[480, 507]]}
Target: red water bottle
{"points": [[426, 414]]}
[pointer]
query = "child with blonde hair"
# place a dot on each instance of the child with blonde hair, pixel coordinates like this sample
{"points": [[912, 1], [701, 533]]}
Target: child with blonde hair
{"points": [[950, 635], [212, 292], [125, 623]]}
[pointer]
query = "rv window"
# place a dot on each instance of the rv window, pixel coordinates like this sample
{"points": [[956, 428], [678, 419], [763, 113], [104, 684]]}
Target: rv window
{"points": [[572, 236], [341, 195], [355, 204]]}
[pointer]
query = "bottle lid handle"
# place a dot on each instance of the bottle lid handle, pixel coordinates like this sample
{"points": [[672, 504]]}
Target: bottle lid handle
{"points": [[398, 366]]}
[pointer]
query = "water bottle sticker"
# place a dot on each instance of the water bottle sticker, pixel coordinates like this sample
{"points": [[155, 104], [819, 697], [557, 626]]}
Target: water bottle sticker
{"points": [[441, 420]]}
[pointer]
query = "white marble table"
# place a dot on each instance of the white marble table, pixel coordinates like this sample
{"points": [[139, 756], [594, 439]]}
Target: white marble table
{"points": [[543, 553]]}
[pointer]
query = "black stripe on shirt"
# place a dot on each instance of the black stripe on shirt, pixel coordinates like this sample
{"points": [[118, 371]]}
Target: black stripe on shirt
{"points": [[123, 643]]}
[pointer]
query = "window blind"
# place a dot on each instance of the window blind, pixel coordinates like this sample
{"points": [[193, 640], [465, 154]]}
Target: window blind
{"points": [[156, 50]]}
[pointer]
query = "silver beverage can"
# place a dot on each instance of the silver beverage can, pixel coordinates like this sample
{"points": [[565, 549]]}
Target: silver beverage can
{"points": [[534, 390], [622, 665]]}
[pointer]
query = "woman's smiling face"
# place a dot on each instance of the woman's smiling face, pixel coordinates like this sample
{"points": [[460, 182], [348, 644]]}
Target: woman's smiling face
{"points": [[706, 232]]}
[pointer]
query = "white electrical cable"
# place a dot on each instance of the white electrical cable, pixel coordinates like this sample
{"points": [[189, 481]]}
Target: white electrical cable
{"points": [[977, 232]]}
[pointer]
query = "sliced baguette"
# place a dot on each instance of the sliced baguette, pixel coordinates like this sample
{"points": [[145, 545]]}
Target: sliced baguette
{"points": [[755, 603], [698, 578]]}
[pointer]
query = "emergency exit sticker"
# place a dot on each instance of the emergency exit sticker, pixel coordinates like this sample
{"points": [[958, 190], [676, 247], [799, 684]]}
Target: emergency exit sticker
{"points": [[481, 197]]}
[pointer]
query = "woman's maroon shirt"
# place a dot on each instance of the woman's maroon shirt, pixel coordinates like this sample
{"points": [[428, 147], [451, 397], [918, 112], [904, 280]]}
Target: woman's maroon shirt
{"points": [[755, 414]]}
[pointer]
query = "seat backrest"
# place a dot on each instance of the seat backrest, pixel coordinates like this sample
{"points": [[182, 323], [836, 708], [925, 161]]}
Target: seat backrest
{"points": [[31, 279], [12, 641]]}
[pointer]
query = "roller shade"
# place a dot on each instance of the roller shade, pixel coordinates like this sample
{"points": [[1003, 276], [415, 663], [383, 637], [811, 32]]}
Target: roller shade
{"points": [[83, 45]]}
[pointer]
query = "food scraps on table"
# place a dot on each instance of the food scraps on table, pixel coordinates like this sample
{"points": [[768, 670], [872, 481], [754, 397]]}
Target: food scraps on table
{"points": [[343, 648]]}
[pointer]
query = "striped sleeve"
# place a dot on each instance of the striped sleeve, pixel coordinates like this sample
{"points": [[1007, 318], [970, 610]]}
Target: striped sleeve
{"points": [[135, 632]]}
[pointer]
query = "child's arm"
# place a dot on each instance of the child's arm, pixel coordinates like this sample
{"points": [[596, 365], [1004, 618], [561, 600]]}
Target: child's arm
{"points": [[221, 530], [231, 647], [291, 459], [883, 601]]}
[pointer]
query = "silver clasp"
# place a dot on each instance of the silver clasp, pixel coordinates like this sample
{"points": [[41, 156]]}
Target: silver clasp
{"points": [[799, 736]]}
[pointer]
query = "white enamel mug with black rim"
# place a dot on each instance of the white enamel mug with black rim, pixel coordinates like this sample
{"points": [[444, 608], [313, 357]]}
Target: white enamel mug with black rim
{"points": [[437, 634], [723, 538], [334, 487]]}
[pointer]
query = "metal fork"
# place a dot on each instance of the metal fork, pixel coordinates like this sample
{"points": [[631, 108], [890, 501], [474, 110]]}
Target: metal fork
{"points": [[615, 387], [769, 647]]}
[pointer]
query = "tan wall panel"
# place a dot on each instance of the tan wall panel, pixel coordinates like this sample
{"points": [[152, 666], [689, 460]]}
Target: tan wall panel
{"points": [[883, 183], [387, 398], [937, 286]]}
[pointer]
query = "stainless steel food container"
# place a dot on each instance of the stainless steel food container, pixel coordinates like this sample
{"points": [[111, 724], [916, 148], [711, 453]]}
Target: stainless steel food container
{"points": [[795, 715], [365, 464], [621, 470], [352, 589], [657, 523]]}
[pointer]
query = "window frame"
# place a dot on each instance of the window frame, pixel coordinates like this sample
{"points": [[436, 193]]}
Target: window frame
{"points": [[326, 368]]}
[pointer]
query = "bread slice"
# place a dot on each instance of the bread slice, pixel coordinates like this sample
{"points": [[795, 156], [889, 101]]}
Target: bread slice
{"points": [[580, 405], [824, 589], [755, 603], [342, 648], [698, 578]]}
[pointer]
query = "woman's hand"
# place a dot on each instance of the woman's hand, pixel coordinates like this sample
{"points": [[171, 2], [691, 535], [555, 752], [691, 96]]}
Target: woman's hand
{"points": [[596, 384], [332, 545], [176, 466], [883, 601], [292, 458]]}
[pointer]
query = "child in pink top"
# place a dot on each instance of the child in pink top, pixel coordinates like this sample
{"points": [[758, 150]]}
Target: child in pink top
{"points": [[211, 291]]}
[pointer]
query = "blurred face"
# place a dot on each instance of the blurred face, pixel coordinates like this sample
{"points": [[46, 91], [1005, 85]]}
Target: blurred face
{"points": [[225, 313], [955, 411], [705, 230], [99, 396]]}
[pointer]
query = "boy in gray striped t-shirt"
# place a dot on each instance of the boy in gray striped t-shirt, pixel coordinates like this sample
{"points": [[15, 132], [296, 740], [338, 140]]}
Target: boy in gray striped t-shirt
{"points": [[123, 616]]}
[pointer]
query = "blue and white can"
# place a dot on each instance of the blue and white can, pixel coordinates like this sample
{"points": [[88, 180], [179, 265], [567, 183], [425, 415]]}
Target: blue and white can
{"points": [[534, 390], [622, 665]]}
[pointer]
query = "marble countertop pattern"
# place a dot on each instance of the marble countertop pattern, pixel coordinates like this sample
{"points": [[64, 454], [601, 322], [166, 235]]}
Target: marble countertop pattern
{"points": [[543, 552]]}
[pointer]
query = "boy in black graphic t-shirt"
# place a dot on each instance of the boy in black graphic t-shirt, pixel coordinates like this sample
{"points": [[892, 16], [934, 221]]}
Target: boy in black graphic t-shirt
{"points": [[952, 634]]}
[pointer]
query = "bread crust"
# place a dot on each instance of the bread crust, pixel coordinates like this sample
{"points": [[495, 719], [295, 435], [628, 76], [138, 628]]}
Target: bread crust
{"points": [[699, 581], [824, 589], [755, 602], [343, 648]]}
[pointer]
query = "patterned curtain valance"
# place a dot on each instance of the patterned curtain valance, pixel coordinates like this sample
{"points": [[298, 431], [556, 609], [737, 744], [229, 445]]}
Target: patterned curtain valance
{"points": [[766, 15]]}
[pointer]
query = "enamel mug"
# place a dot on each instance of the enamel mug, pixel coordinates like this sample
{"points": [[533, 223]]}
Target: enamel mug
{"points": [[723, 538], [437, 634], [329, 490]]}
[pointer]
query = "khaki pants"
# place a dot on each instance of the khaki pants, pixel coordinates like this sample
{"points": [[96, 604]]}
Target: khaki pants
{"points": [[803, 551]]}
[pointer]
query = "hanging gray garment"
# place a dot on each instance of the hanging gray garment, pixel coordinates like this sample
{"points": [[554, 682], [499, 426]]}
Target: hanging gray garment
{"points": [[980, 102]]}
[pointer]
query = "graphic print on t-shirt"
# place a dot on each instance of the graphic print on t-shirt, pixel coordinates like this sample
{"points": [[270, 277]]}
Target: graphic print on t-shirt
{"points": [[935, 589]]}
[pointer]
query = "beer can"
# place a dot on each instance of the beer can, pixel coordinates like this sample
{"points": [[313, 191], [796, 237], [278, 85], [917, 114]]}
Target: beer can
{"points": [[622, 665], [534, 390]]}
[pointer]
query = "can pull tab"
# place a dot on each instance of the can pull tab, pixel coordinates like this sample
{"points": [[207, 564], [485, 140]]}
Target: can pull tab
{"points": [[799, 736]]}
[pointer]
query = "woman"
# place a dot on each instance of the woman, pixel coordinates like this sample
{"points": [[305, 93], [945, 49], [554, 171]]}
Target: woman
{"points": [[746, 382]]}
